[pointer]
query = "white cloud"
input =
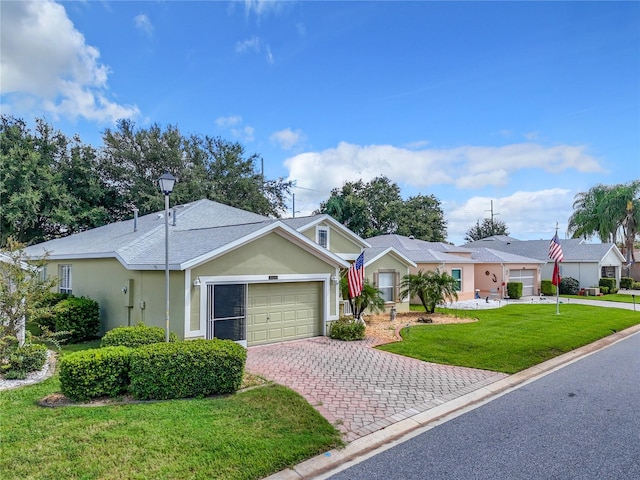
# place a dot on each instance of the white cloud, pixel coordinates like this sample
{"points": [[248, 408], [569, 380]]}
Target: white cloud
{"points": [[529, 215], [250, 44], [228, 121], [462, 169], [45, 64], [262, 7], [143, 24], [255, 44], [233, 124], [288, 139]]}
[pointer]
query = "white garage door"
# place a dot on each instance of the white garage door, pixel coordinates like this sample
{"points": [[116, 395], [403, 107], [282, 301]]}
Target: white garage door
{"points": [[526, 277], [283, 311]]}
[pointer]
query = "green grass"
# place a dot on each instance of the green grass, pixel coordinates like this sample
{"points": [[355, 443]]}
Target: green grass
{"points": [[614, 297], [512, 338], [245, 436]]}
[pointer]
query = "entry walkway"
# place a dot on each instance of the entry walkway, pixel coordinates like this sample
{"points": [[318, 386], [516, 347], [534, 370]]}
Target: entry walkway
{"points": [[358, 388]]}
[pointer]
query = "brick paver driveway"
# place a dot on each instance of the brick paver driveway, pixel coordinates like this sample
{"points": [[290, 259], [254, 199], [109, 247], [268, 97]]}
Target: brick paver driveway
{"points": [[358, 388]]}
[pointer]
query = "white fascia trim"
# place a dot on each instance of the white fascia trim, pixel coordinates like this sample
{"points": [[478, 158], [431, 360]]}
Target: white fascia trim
{"points": [[293, 235], [328, 218], [395, 253]]}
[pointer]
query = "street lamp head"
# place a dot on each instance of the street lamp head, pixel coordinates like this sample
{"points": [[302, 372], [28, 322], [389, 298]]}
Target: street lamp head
{"points": [[166, 182]]}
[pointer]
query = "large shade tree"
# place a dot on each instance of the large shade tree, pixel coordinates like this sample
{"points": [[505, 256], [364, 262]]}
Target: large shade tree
{"points": [[376, 208], [609, 212]]}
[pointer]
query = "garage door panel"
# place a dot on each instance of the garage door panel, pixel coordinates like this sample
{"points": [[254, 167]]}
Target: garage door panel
{"points": [[526, 277], [284, 311]]}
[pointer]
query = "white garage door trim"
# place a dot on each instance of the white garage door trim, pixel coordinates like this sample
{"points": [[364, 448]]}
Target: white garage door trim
{"points": [[248, 279], [527, 278]]}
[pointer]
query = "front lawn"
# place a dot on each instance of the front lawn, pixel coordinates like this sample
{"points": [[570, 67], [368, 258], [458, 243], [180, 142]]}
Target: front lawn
{"points": [[244, 436], [611, 297], [512, 338]]}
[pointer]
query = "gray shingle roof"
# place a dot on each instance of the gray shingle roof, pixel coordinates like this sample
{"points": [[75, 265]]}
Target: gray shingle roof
{"points": [[201, 229], [574, 250], [420, 251], [488, 255]]}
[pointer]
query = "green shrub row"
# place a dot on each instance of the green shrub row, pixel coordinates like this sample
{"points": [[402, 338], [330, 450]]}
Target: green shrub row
{"points": [[136, 336], [609, 284], [347, 328], [547, 288], [187, 369], [155, 371], [514, 290], [626, 282], [98, 372]]}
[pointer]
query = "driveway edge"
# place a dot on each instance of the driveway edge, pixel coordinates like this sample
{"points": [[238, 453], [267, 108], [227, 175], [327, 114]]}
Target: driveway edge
{"points": [[387, 437]]}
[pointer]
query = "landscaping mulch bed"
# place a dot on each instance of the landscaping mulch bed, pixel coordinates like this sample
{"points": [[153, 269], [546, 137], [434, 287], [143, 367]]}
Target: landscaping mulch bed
{"points": [[382, 328]]}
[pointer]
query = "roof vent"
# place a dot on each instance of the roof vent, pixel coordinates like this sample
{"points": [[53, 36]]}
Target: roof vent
{"points": [[411, 237], [135, 219]]}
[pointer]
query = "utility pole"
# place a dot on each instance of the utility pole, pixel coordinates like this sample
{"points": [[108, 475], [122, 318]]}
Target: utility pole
{"points": [[493, 230]]}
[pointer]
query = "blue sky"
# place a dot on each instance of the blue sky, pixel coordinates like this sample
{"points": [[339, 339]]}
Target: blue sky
{"points": [[523, 104]]}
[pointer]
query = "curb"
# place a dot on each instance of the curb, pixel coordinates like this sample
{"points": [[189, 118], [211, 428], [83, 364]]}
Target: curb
{"points": [[331, 460]]}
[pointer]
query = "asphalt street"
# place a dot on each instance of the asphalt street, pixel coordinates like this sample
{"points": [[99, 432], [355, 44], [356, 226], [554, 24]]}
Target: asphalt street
{"points": [[580, 422]]}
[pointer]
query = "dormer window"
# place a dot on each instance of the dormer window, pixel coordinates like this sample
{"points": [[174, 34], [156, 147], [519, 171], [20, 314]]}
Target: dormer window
{"points": [[322, 236]]}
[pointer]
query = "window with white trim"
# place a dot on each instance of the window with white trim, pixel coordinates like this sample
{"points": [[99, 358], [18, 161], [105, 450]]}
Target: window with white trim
{"points": [[322, 236], [456, 273], [386, 285], [64, 274]]}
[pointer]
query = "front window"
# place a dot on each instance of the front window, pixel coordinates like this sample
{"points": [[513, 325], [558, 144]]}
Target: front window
{"points": [[385, 285], [608, 272], [456, 273], [322, 236], [64, 273]]}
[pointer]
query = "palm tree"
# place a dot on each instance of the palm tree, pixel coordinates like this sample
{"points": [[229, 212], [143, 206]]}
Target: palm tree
{"points": [[370, 298], [605, 211], [431, 287]]}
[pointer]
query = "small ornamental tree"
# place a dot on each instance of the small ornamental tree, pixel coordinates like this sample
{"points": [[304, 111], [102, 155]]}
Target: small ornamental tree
{"points": [[22, 289], [431, 287], [370, 298]]}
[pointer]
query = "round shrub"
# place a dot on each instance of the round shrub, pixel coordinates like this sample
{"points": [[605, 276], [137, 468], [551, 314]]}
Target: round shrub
{"points": [[80, 316], [626, 282], [98, 372], [604, 290], [186, 369], [547, 288], [44, 314], [30, 357], [569, 286], [514, 290], [136, 336], [347, 329]]}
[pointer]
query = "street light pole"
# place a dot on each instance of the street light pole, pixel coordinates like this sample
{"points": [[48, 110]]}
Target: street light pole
{"points": [[166, 182]]}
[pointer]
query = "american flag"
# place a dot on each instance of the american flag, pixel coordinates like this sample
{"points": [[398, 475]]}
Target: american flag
{"points": [[555, 250], [355, 276]]}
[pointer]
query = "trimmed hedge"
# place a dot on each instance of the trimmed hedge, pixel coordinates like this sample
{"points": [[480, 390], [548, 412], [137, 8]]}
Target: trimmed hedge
{"points": [[547, 288], [626, 282], [136, 336], [186, 369], [44, 315], [98, 372], [78, 315], [514, 290], [347, 328], [609, 283]]}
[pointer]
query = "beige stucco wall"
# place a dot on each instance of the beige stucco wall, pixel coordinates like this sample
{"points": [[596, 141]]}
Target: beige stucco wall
{"points": [[268, 255], [468, 275], [338, 242], [389, 263], [103, 280]]}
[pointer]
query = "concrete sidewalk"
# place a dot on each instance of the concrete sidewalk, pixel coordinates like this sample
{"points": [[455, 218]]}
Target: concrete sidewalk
{"points": [[329, 463]]}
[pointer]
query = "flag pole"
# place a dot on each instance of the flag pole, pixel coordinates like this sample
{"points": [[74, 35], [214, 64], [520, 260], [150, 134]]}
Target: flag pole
{"points": [[557, 269]]}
